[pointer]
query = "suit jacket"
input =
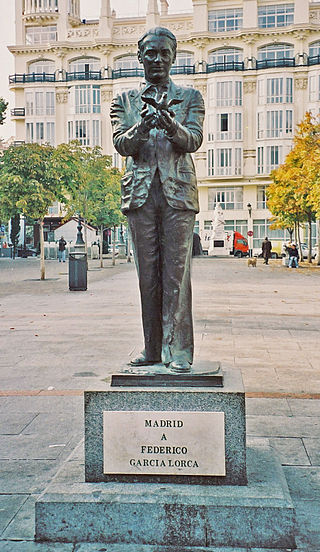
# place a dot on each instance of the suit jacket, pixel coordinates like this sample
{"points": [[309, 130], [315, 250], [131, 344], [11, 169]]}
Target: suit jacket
{"points": [[170, 155]]}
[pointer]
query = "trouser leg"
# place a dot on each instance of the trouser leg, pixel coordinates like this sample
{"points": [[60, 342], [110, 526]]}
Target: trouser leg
{"points": [[143, 223], [176, 247]]}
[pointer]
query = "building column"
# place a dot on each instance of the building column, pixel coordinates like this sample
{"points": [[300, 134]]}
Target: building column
{"points": [[61, 114], [250, 14], [105, 21], [63, 20], [249, 126], [301, 11], [200, 15], [152, 16], [19, 22]]}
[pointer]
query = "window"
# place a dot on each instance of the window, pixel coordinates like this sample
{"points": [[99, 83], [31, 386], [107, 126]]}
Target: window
{"points": [[127, 62], [289, 122], [29, 132], [87, 131], [29, 103], [313, 81], [224, 158], [261, 229], [39, 103], [39, 133], [96, 125], [280, 15], [82, 132], [41, 35], [238, 126], [210, 162], [289, 90], [225, 56], [50, 105], [229, 198], [50, 138], [260, 160], [261, 197], [83, 65], [275, 51], [87, 98], [273, 157], [274, 124], [275, 90], [210, 122], [41, 66], [237, 161], [221, 21], [183, 60], [238, 93], [314, 49], [224, 126], [260, 125], [224, 93]]}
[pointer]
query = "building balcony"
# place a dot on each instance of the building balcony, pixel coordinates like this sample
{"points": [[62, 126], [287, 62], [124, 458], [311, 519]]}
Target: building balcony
{"points": [[40, 10], [131, 72], [23, 78], [18, 112], [225, 66], [84, 75], [183, 70], [314, 60], [18, 143], [271, 63]]}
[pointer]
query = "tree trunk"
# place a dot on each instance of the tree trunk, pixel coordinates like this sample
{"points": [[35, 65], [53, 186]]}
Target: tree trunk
{"points": [[114, 246], [290, 230], [101, 246], [299, 240], [129, 247], [42, 265], [310, 239], [318, 234]]}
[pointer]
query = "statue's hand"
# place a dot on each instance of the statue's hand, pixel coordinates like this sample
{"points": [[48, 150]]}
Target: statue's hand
{"points": [[166, 122], [148, 119]]}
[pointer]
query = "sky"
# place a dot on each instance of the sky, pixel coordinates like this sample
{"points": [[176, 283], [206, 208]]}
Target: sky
{"points": [[89, 9]]}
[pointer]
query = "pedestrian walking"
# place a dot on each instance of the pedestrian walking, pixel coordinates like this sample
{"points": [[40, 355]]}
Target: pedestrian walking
{"points": [[266, 250], [62, 249], [293, 256]]}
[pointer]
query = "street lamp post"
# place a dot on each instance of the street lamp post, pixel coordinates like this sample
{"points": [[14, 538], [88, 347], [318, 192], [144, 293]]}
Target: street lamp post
{"points": [[79, 245], [250, 229]]}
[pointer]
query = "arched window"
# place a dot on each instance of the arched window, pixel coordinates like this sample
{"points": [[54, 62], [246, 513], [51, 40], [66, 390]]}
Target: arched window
{"points": [[84, 64], [41, 66], [127, 62], [275, 51], [184, 63], [225, 55], [314, 49]]}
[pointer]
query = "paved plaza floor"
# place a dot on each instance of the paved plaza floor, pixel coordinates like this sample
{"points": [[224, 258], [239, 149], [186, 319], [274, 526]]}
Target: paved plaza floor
{"points": [[56, 343]]}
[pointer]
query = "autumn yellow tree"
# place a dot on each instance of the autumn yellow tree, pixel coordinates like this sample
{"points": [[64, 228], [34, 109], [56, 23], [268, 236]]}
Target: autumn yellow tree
{"points": [[294, 194]]}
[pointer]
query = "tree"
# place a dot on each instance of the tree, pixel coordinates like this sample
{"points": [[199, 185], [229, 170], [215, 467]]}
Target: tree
{"points": [[294, 194], [29, 184], [3, 109], [92, 186]]}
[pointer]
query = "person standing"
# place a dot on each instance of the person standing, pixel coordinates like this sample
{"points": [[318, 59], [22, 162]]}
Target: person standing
{"points": [[157, 128], [266, 250], [62, 249]]}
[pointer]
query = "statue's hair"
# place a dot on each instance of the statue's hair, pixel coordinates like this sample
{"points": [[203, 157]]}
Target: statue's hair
{"points": [[158, 31]]}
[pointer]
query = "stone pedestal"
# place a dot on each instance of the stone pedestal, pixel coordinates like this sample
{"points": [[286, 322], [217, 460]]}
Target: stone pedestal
{"points": [[223, 494]]}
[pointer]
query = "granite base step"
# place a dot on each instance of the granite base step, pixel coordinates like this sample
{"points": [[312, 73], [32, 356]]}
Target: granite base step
{"points": [[257, 515]]}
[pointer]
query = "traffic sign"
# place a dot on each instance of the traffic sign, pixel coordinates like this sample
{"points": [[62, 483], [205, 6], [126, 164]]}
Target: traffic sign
{"points": [[250, 233]]}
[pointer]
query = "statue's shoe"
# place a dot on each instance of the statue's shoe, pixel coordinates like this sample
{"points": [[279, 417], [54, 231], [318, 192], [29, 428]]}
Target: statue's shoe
{"points": [[180, 366], [141, 360]]}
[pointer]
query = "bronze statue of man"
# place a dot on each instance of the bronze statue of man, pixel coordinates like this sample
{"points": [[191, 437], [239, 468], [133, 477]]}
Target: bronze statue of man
{"points": [[157, 128]]}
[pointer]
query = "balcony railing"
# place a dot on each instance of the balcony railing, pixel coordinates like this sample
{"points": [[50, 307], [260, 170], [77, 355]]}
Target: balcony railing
{"points": [[35, 6], [83, 75], [225, 66], [314, 60], [112, 74], [132, 72], [31, 77], [18, 143], [183, 70], [281, 62], [18, 112]]}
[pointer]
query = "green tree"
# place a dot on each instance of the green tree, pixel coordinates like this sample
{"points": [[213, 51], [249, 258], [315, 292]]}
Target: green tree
{"points": [[29, 184], [92, 186], [3, 109]]}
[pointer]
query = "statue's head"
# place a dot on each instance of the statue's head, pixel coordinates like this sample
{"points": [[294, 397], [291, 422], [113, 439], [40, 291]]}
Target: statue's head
{"points": [[157, 52]]}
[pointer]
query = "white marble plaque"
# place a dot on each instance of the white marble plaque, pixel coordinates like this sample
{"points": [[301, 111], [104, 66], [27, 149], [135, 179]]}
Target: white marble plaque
{"points": [[164, 443]]}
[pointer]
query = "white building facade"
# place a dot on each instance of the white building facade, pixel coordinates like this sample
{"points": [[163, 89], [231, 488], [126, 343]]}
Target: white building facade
{"points": [[256, 63]]}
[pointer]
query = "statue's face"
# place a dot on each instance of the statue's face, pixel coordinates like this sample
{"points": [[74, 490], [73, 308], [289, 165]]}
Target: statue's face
{"points": [[157, 55]]}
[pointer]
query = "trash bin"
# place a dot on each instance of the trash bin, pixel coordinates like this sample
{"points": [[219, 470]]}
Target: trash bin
{"points": [[77, 271]]}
